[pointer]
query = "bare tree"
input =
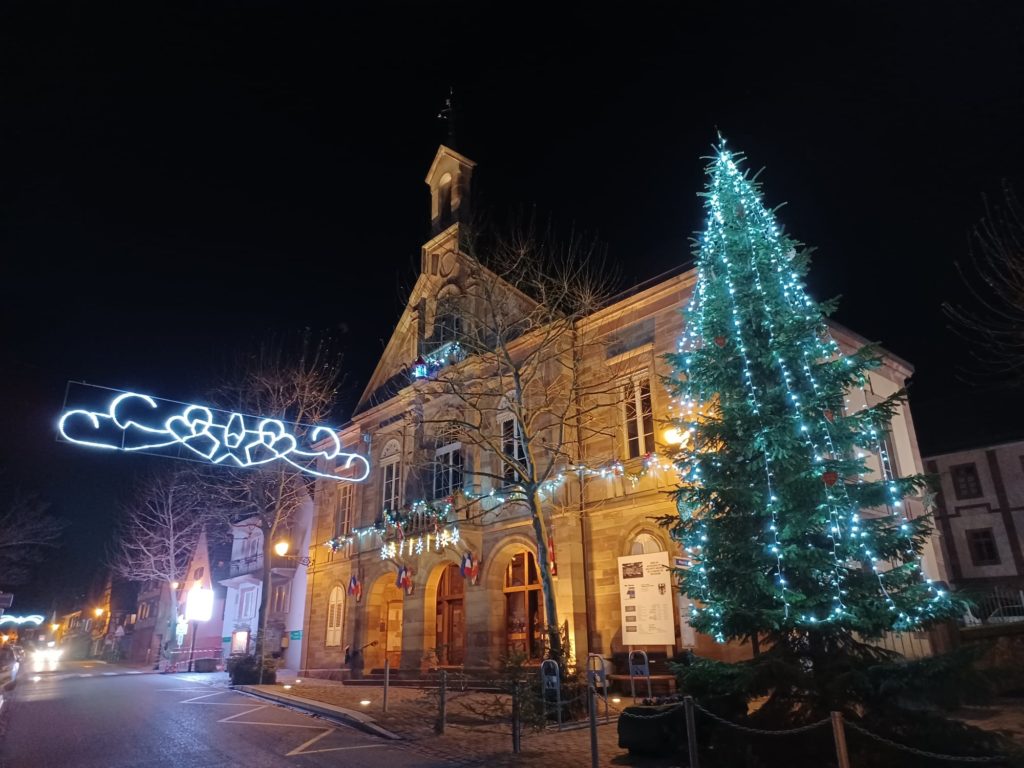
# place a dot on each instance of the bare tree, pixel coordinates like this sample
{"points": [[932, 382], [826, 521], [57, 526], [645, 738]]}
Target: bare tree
{"points": [[994, 325], [158, 531], [510, 339], [295, 381], [27, 530]]}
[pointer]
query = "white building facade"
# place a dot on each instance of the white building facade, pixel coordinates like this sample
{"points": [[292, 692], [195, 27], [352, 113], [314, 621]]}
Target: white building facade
{"points": [[980, 513], [288, 597]]}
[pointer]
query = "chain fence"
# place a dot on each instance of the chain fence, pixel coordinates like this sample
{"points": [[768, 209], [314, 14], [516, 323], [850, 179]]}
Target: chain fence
{"points": [[547, 702]]}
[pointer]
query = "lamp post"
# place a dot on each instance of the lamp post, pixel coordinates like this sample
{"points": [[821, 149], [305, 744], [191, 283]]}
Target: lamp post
{"points": [[198, 607]]}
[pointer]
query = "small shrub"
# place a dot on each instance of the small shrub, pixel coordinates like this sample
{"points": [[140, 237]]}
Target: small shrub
{"points": [[245, 670]]}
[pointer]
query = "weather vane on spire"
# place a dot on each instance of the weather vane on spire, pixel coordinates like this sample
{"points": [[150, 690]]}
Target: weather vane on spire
{"points": [[448, 114]]}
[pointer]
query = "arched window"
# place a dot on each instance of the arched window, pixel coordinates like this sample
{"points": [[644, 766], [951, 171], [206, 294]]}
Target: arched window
{"points": [[391, 475], [646, 544], [335, 607], [444, 199], [524, 607]]}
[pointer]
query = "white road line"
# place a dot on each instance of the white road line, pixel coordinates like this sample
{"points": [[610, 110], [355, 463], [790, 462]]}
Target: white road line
{"points": [[86, 674], [196, 700], [337, 749], [301, 748], [248, 711], [110, 674]]}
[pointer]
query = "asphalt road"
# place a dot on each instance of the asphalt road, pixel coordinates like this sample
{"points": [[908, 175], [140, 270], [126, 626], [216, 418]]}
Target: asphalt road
{"points": [[83, 716]]}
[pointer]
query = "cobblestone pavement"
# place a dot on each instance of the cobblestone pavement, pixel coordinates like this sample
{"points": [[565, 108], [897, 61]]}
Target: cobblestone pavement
{"points": [[478, 729]]}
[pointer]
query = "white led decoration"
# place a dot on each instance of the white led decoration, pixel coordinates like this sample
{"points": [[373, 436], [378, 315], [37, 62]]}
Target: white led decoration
{"points": [[219, 437], [35, 618]]}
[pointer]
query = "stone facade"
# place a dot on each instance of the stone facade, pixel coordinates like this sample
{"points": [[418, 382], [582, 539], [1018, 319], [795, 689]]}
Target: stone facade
{"points": [[595, 516]]}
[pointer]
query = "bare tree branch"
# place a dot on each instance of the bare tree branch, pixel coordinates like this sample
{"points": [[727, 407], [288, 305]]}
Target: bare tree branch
{"points": [[26, 532], [517, 322], [994, 325]]}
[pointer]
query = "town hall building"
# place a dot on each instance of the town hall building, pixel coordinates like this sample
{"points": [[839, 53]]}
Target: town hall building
{"points": [[401, 583]]}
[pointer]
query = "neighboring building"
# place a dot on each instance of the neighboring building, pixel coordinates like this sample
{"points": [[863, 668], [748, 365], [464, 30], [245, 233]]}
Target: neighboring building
{"points": [[596, 517], [201, 639], [152, 622], [980, 513], [244, 583]]}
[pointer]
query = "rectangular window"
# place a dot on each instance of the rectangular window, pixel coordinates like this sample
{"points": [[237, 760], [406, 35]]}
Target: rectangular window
{"points": [[512, 447], [966, 484], [389, 484], [890, 452], [239, 641], [639, 417], [247, 603], [981, 543], [280, 598], [447, 470], [335, 605]]}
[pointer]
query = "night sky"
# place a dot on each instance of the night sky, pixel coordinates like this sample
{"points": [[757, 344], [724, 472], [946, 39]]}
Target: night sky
{"points": [[177, 180]]}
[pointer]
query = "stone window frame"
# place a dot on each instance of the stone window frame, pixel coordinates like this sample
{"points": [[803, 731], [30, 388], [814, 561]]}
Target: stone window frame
{"points": [[645, 439], [966, 481], [984, 549], [335, 612]]}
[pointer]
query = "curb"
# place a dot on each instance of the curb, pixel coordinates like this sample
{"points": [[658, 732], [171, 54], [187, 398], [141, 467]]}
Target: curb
{"points": [[349, 716]]}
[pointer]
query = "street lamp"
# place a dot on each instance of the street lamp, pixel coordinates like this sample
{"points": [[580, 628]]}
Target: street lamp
{"points": [[98, 612], [198, 607], [281, 548]]}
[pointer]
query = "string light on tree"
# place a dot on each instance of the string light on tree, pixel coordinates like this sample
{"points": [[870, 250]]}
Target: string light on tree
{"points": [[773, 510]]}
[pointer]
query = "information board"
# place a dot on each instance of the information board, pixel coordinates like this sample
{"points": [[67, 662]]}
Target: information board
{"points": [[645, 599]]}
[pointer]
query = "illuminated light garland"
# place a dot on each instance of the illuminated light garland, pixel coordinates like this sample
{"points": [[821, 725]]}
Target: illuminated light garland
{"points": [[137, 423], [34, 618], [445, 355]]}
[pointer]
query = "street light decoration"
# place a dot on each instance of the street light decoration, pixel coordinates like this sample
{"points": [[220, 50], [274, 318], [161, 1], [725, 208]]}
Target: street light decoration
{"points": [[199, 603], [140, 423]]}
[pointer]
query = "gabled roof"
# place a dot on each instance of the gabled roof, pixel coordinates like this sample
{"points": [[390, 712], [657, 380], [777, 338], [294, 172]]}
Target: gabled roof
{"points": [[444, 151]]}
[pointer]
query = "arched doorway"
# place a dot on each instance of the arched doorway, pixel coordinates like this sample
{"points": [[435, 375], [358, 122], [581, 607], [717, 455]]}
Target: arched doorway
{"points": [[384, 614], [451, 617], [524, 607]]}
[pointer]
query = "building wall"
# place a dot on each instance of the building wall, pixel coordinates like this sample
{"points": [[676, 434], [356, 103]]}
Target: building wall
{"points": [[998, 506]]}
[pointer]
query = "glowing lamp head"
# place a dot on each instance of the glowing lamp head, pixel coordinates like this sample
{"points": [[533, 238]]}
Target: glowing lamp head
{"points": [[98, 612], [175, 585], [199, 604], [281, 548], [54, 627]]}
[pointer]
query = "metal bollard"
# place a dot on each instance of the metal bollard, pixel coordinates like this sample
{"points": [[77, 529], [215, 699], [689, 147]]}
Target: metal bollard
{"points": [[516, 716], [442, 691], [691, 732], [839, 734], [593, 725], [387, 680]]}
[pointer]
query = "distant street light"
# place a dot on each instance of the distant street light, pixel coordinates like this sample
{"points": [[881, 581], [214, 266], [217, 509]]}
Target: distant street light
{"points": [[98, 612], [281, 548], [198, 607]]}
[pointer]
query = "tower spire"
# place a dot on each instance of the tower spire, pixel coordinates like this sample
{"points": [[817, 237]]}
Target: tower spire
{"points": [[447, 114]]}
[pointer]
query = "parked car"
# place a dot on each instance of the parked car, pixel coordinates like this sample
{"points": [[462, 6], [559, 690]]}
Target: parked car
{"points": [[1006, 614], [9, 666]]}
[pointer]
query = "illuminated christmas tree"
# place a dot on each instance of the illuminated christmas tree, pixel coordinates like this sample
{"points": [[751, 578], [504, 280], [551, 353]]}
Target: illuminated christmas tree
{"points": [[794, 540]]}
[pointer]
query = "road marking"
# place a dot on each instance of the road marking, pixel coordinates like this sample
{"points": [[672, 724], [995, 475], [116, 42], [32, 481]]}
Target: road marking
{"points": [[196, 700], [303, 749], [86, 674], [110, 674], [232, 717]]}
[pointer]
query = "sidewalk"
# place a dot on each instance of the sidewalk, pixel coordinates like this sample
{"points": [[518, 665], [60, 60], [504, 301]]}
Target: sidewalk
{"points": [[478, 729]]}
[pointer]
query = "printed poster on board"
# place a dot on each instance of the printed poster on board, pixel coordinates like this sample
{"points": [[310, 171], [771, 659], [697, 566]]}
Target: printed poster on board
{"points": [[645, 598]]}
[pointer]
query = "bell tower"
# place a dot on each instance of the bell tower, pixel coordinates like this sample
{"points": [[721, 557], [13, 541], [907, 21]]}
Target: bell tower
{"points": [[449, 180]]}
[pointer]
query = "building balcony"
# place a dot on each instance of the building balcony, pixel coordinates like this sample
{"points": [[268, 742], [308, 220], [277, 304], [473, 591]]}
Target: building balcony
{"points": [[245, 565]]}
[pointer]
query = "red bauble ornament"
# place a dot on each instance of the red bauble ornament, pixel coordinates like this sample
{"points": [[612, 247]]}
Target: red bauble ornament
{"points": [[720, 341], [829, 416], [830, 478]]}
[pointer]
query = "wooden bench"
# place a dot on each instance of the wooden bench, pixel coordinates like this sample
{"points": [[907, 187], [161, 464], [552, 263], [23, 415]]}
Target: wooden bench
{"points": [[660, 684]]}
